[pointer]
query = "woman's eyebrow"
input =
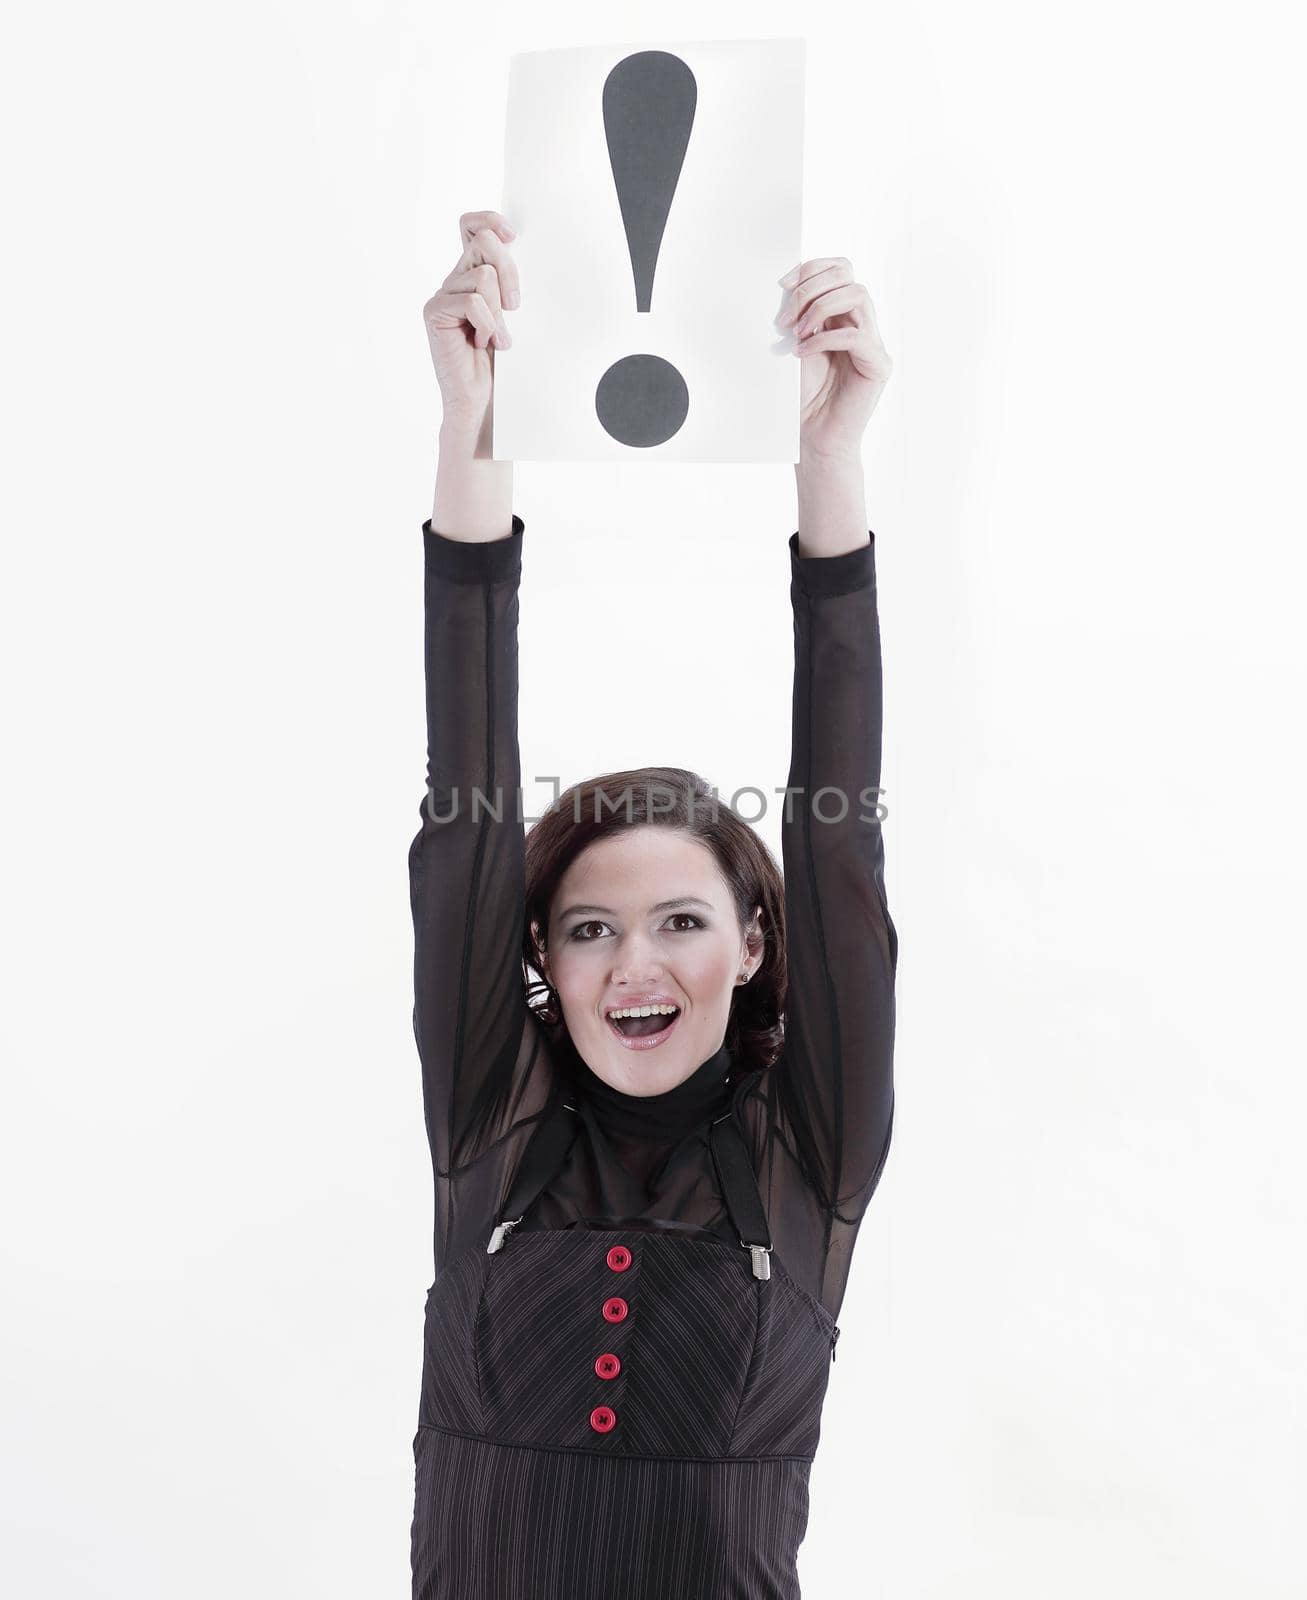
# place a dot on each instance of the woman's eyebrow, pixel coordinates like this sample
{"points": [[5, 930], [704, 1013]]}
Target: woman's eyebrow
{"points": [[663, 905]]}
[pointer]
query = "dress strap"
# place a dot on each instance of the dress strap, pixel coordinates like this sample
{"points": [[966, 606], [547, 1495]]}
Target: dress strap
{"points": [[548, 1147], [739, 1186], [545, 1152]]}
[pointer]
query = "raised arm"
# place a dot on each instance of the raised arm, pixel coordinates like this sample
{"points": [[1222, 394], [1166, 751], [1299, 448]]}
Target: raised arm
{"points": [[835, 1083], [466, 865]]}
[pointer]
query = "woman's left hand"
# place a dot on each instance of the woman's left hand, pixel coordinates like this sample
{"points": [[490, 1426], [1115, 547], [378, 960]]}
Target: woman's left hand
{"points": [[845, 365]]}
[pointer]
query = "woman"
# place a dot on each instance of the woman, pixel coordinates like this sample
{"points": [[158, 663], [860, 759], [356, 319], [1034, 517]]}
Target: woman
{"points": [[649, 1178]]}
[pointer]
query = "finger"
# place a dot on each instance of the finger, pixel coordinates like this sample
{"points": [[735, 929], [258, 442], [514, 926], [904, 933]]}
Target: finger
{"points": [[485, 245], [872, 361], [464, 299], [849, 298], [472, 222], [486, 279], [830, 339], [814, 277], [497, 226]]}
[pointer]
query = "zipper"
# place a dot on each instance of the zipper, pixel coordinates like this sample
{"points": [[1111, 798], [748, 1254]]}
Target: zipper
{"points": [[835, 1339]]}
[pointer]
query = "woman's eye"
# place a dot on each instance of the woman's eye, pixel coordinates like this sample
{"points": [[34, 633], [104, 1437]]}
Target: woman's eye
{"points": [[578, 933]]}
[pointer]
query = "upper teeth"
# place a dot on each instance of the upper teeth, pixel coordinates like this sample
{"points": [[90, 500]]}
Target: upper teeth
{"points": [[642, 1011]]}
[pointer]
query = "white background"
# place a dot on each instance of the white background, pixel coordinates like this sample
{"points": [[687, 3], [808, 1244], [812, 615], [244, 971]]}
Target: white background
{"points": [[1071, 1361]]}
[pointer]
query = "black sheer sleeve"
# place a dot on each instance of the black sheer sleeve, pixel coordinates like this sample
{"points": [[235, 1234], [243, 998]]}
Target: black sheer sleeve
{"points": [[467, 873], [835, 1083]]}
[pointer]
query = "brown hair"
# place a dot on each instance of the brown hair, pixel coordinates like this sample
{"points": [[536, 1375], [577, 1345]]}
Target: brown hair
{"points": [[669, 797]]}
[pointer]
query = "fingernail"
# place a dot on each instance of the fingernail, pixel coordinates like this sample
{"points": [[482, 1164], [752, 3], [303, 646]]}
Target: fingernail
{"points": [[790, 278]]}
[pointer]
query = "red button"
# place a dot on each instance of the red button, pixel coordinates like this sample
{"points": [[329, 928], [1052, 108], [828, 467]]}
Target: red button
{"points": [[603, 1419], [619, 1258], [608, 1366], [615, 1309]]}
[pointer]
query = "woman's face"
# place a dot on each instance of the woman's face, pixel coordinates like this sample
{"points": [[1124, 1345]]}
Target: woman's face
{"points": [[613, 941]]}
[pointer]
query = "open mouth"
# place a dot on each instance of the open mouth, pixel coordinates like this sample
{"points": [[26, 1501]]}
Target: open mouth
{"points": [[643, 1033]]}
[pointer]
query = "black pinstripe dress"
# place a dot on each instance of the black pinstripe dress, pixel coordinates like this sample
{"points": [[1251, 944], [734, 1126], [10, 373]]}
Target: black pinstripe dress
{"points": [[629, 1333]]}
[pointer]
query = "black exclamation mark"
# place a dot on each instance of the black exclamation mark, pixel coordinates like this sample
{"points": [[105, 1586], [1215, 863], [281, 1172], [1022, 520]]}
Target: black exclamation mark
{"points": [[649, 103]]}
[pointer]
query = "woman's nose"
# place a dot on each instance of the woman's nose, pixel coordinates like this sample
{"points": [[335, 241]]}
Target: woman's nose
{"points": [[636, 963]]}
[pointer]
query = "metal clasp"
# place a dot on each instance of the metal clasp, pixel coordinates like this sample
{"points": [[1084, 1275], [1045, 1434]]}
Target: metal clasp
{"points": [[502, 1231], [761, 1265]]}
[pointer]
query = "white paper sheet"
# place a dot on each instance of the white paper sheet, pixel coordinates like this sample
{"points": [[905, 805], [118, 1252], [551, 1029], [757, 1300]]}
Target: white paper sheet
{"points": [[698, 148]]}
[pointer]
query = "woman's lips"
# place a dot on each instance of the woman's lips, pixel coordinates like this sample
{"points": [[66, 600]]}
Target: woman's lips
{"points": [[648, 1041]]}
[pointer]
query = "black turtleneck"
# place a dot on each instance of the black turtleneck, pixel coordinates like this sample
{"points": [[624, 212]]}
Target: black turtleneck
{"points": [[662, 1118]]}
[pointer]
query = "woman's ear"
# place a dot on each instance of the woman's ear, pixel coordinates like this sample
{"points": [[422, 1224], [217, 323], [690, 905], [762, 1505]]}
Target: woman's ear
{"points": [[754, 938]]}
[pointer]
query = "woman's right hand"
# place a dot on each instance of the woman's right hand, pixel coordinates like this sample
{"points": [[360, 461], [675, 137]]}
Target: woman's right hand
{"points": [[465, 322]]}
